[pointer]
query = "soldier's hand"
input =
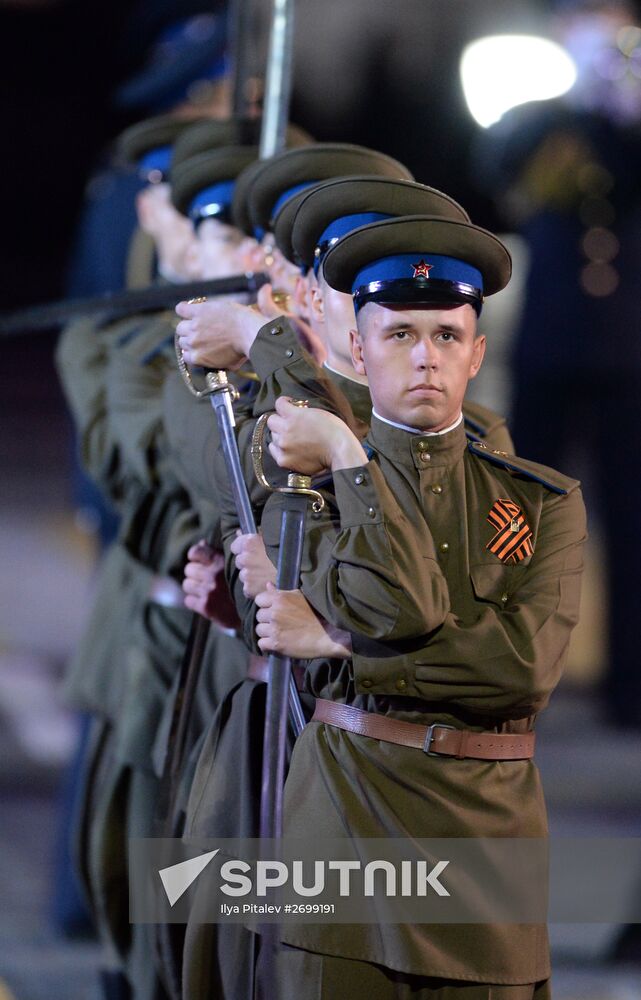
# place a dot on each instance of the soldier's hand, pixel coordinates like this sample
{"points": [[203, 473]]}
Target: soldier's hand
{"points": [[287, 624], [256, 568], [309, 440], [205, 588], [215, 333]]}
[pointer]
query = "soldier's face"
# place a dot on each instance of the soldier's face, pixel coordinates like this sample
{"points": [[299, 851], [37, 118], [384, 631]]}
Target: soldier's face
{"points": [[418, 361], [332, 313]]}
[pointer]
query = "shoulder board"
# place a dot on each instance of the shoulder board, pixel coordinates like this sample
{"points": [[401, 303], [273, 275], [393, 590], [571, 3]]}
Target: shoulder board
{"points": [[480, 420], [550, 478]]}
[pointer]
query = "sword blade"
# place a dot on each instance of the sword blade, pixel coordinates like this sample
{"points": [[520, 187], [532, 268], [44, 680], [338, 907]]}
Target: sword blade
{"points": [[52, 315], [290, 554]]}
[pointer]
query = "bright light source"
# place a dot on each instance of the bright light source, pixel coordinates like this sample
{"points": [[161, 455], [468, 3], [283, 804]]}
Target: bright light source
{"points": [[501, 71]]}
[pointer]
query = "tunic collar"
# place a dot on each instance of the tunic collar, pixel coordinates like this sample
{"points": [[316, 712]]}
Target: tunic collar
{"points": [[418, 450]]}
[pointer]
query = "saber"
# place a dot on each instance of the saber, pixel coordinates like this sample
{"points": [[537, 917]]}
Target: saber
{"points": [[115, 304], [279, 674], [221, 395], [297, 494]]}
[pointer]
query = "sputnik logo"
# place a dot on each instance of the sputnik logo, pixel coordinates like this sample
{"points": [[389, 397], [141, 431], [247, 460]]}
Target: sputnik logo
{"points": [[177, 878]]}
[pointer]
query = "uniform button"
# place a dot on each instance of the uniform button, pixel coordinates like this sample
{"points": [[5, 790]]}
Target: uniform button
{"points": [[504, 598], [289, 353], [425, 456], [371, 512], [358, 478], [444, 547], [366, 682], [437, 488], [422, 445], [401, 684], [275, 330]]}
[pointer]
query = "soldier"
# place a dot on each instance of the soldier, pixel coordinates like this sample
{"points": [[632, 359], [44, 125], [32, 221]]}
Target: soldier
{"points": [[128, 686], [453, 574]]}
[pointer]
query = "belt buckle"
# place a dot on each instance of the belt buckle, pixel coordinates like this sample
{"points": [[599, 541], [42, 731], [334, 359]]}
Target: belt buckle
{"points": [[429, 736]]}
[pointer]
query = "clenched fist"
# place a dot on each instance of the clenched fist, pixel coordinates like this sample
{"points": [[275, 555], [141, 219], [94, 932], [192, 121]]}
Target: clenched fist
{"points": [[256, 568], [217, 334], [309, 440], [287, 624]]}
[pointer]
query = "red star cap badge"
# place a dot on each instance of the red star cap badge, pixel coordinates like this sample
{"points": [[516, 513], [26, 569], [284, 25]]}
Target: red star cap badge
{"points": [[422, 270]]}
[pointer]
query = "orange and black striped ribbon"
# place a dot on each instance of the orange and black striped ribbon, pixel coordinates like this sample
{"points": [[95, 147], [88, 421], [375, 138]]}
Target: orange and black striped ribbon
{"points": [[513, 539]]}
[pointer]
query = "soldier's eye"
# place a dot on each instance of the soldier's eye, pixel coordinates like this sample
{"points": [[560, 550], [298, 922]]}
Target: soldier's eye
{"points": [[401, 334]]}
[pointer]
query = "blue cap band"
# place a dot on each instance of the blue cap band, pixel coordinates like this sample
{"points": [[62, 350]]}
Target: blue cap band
{"points": [[418, 277], [156, 159], [212, 202], [341, 227], [289, 193]]}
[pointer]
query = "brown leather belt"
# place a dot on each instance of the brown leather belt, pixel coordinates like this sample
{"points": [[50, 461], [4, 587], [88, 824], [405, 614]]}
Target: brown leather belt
{"points": [[434, 740], [258, 671]]}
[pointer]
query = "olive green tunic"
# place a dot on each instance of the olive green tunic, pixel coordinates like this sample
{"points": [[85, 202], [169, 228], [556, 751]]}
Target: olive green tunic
{"points": [[442, 630], [82, 354]]}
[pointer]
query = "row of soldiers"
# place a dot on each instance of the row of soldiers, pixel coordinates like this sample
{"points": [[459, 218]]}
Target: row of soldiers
{"points": [[439, 583]]}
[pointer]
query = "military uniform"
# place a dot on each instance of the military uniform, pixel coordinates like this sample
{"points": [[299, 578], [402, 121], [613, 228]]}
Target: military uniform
{"points": [[500, 635], [456, 619]]}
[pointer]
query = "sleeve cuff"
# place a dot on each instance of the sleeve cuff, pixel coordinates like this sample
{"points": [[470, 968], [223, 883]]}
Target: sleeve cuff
{"points": [[379, 670]]}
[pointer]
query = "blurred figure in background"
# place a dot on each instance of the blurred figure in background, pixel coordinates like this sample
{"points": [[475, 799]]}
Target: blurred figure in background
{"points": [[567, 176]]}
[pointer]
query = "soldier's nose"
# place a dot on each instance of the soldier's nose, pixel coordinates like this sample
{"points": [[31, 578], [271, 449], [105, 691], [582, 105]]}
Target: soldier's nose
{"points": [[424, 358]]}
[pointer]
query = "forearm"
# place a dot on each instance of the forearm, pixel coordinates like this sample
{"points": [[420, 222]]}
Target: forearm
{"points": [[364, 570], [286, 369]]}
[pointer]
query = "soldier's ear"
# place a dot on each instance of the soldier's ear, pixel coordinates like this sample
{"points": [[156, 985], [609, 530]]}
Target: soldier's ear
{"points": [[356, 343], [316, 304], [302, 297], [478, 353]]}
